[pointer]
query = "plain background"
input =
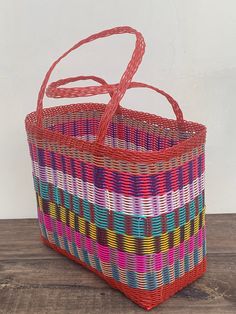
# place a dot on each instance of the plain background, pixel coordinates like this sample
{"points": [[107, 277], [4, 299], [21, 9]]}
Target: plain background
{"points": [[191, 53]]}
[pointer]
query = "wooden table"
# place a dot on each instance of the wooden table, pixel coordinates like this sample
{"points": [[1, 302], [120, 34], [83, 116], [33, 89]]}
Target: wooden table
{"points": [[35, 279]]}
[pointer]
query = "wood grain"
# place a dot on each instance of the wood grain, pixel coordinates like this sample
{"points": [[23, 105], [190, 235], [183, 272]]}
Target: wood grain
{"points": [[35, 279]]}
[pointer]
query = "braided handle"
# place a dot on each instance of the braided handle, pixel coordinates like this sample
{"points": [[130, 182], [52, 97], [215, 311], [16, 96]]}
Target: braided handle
{"points": [[55, 91], [122, 86]]}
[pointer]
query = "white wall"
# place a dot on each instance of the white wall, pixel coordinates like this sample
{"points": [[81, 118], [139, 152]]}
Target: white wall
{"points": [[191, 50]]}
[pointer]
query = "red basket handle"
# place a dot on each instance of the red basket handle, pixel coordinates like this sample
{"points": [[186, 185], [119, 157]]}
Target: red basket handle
{"points": [[54, 91], [124, 81]]}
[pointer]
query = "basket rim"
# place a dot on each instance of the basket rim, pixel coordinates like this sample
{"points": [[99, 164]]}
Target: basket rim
{"points": [[117, 153]]}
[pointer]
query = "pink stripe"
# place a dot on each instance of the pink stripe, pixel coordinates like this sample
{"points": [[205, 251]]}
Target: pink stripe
{"points": [[78, 239], [171, 256], [191, 244], [143, 184], [158, 261], [181, 250], [60, 229], [40, 216], [88, 244], [122, 259], [200, 238], [103, 253], [140, 263], [68, 233], [47, 222]]}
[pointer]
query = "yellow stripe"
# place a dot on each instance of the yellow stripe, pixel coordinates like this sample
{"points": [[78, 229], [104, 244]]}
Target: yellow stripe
{"points": [[187, 230], [176, 236], [63, 214], [148, 245], [52, 210], [72, 219], [92, 231], [129, 242], [81, 225], [40, 201], [196, 223], [111, 238], [164, 242]]}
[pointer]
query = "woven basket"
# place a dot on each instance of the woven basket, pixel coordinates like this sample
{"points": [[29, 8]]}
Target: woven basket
{"points": [[119, 191]]}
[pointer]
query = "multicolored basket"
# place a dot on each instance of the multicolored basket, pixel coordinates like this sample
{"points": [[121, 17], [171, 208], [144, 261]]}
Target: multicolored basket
{"points": [[119, 191]]}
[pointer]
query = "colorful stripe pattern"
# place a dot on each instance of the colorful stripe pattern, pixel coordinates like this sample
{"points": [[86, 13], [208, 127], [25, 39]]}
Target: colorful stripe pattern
{"points": [[138, 225]]}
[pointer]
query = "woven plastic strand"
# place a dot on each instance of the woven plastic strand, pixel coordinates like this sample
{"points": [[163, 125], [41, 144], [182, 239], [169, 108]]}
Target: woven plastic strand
{"points": [[124, 81]]}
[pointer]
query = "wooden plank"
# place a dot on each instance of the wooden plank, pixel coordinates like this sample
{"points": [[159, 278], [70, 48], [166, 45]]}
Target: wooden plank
{"points": [[61, 286], [19, 238], [221, 233]]}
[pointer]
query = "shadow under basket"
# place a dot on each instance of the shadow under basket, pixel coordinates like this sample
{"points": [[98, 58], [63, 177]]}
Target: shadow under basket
{"points": [[120, 192]]}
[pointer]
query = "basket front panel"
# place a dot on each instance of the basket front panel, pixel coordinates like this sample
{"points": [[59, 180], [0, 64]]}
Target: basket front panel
{"points": [[139, 226]]}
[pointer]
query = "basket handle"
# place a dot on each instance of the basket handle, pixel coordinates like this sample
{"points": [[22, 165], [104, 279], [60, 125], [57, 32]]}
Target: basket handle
{"points": [[55, 91], [124, 81]]}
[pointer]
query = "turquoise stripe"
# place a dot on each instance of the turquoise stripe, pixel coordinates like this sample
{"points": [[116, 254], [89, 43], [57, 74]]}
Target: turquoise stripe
{"points": [[66, 244], [186, 263], [76, 205], [166, 275], [56, 195], [86, 209], [100, 217], [138, 227], [75, 250], [101, 214], [151, 282], [42, 189], [176, 267], [182, 217], [131, 278], [119, 222], [97, 262], [171, 221], [195, 256], [86, 257], [115, 272], [204, 248], [43, 230], [66, 199], [56, 240]]}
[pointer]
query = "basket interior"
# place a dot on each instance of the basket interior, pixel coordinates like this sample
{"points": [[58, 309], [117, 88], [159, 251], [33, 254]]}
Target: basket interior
{"points": [[124, 132]]}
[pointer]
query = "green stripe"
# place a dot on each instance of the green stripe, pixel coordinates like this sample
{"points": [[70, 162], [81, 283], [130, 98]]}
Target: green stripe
{"points": [[101, 214]]}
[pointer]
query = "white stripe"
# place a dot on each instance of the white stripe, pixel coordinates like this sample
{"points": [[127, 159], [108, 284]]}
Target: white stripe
{"points": [[114, 142], [127, 202]]}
